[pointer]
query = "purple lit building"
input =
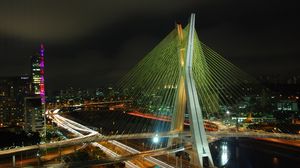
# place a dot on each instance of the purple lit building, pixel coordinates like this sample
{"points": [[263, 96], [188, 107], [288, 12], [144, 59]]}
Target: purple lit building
{"points": [[35, 103]]}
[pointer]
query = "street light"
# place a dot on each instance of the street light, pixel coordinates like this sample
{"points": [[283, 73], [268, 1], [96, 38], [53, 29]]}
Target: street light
{"points": [[38, 158], [155, 139], [228, 116], [228, 112]]}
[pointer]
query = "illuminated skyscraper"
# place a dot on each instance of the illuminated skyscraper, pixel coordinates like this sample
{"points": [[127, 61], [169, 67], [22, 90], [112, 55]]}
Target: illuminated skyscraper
{"points": [[35, 104], [37, 72]]}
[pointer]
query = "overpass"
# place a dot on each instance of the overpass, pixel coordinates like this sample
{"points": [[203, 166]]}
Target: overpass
{"points": [[93, 136]]}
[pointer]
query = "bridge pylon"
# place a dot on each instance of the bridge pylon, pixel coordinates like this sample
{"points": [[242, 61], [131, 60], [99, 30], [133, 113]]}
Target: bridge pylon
{"points": [[187, 100]]}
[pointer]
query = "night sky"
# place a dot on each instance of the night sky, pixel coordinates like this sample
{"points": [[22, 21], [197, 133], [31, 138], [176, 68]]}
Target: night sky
{"points": [[92, 43]]}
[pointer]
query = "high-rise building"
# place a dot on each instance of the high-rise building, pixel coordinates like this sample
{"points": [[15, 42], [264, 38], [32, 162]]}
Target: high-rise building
{"points": [[35, 103], [37, 73], [13, 90]]}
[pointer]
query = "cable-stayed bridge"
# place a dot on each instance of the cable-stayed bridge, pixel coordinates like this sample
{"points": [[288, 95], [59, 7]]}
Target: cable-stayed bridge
{"points": [[87, 135], [181, 81]]}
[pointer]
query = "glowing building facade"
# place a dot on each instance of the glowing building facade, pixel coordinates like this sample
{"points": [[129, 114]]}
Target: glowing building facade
{"points": [[35, 104], [37, 72]]}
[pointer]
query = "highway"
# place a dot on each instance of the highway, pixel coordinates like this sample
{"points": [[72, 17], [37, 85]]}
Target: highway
{"points": [[75, 127], [93, 137], [87, 135], [25, 160]]}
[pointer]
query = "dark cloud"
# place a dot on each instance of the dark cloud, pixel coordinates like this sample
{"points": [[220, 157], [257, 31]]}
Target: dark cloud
{"points": [[65, 20], [93, 43]]}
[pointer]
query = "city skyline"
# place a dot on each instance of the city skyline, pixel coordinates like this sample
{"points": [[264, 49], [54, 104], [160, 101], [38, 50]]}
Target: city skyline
{"points": [[149, 84], [100, 46]]}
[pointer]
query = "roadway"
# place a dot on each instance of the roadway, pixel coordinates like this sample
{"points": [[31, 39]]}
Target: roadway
{"points": [[94, 137], [86, 135], [74, 128], [23, 160]]}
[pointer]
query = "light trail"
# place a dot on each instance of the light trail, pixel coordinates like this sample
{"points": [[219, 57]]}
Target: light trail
{"points": [[149, 116], [114, 142], [95, 137], [209, 125], [219, 134], [134, 151], [66, 123]]}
